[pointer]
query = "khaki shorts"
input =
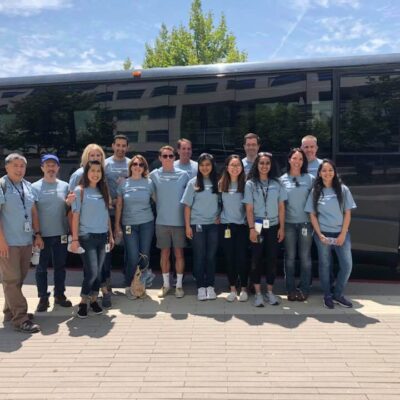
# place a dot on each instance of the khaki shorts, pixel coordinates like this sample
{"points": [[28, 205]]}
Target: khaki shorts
{"points": [[170, 236]]}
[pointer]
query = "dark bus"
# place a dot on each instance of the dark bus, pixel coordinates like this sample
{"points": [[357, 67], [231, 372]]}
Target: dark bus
{"points": [[351, 104]]}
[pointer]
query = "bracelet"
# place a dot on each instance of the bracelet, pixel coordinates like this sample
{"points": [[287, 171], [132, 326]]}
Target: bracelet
{"points": [[74, 240]]}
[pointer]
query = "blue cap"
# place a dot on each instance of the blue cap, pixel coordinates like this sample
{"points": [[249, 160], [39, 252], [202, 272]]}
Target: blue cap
{"points": [[47, 157]]}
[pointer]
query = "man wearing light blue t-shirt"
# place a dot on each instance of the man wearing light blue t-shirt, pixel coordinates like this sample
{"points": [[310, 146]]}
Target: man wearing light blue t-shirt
{"points": [[19, 222], [116, 171], [169, 185], [184, 149], [310, 148], [51, 194], [251, 147]]}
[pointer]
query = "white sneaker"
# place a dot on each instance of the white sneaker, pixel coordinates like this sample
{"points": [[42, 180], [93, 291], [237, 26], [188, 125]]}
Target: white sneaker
{"points": [[243, 296], [201, 294], [128, 294], [231, 297], [211, 295], [258, 300], [163, 291], [179, 293], [271, 299]]}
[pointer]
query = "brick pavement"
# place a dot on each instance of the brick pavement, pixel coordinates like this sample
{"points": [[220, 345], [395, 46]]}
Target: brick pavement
{"points": [[183, 349]]}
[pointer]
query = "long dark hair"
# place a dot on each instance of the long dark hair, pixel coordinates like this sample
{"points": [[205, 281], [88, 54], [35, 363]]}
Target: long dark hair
{"points": [[319, 185], [224, 182], [199, 187], [101, 184], [254, 174], [304, 167]]}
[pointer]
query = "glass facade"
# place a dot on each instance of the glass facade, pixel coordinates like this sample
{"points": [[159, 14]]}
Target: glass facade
{"points": [[355, 114]]}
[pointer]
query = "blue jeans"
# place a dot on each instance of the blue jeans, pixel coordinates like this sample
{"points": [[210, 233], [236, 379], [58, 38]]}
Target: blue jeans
{"points": [[137, 243], [205, 245], [93, 259], [57, 252], [294, 239], [325, 260]]}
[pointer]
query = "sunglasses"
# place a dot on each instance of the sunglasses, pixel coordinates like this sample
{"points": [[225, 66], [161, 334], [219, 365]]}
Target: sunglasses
{"points": [[138, 164], [170, 156], [296, 182]]}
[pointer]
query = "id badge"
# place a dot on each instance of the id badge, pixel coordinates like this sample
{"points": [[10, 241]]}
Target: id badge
{"points": [[64, 239], [304, 231], [199, 228], [27, 226], [227, 233], [266, 223], [128, 229], [108, 247]]}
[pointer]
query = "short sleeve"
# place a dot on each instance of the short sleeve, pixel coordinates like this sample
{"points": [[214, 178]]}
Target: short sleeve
{"points": [[188, 195], [349, 202], [2, 197], [76, 205], [248, 193], [151, 187], [282, 192], [120, 189], [309, 207]]}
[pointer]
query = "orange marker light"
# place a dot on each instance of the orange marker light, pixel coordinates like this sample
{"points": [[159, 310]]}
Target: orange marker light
{"points": [[136, 74]]}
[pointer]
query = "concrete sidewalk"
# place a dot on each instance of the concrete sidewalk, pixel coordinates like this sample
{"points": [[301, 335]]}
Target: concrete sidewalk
{"points": [[185, 349]]}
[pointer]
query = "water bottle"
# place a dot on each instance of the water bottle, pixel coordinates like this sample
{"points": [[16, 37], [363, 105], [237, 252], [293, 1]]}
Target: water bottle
{"points": [[35, 255], [331, 241]]}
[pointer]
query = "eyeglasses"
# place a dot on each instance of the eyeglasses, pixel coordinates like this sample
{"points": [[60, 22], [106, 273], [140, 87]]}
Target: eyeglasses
{"points": [[138, 164], [296, 182], [170, 156]]}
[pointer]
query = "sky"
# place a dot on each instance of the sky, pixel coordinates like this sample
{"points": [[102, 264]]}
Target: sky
{"points": [[41, 37]]}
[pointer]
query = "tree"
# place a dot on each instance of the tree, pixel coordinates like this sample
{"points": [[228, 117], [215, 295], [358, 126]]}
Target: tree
{"points": [[200, 43], [127, 65]]}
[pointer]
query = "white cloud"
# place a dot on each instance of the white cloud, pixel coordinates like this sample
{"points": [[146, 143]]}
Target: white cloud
{"points": [[115, 35], [346, 28], [42, 53], [305, 4], [26, 8]]}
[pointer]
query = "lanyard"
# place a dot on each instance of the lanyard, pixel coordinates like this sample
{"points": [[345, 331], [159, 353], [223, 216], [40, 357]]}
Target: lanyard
{"points": [[21, 196], [265, 196]]}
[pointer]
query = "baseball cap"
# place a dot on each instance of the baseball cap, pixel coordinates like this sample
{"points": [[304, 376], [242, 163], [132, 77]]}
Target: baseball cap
{"points": [[47, 157]]}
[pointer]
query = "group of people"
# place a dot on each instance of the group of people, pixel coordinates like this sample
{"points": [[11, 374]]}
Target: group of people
{"points": [[247, 209]]}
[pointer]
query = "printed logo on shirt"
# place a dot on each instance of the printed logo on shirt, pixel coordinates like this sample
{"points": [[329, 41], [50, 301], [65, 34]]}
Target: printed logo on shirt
{"points": [[207, 187], [232, 191], [94, 196], [135, 189], [326, 198], [50, 191]]}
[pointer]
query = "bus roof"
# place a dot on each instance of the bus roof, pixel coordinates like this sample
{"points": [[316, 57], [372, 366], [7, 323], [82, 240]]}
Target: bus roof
{"points": [[195, 71]]}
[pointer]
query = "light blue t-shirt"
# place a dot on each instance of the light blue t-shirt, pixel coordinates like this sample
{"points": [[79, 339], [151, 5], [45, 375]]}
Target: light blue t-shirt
{"points": [[191, 167], [13, 213], [265, 197], [233, 210], [297, 197], [51, 207], [136, 195], [116, 171], [330, 214], [247, 165], [75, 178], [204, 205], [313, 167], [93, 216], [169, 188]]}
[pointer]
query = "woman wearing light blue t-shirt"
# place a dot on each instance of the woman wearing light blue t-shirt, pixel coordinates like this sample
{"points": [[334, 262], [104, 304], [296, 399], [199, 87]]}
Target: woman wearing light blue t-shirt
{"points": [[90, 224], [264, 198], [329, 205], [234, 231], [201, 217], [134, 218], [298, 230]]}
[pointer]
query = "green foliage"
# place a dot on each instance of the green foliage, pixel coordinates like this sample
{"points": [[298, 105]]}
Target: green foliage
{"points": [[127, 65], [201, 43]]}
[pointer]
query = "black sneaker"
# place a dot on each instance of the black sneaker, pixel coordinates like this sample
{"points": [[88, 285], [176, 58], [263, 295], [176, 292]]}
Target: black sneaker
{"points": [[43, 304], [342, 301], [82, 311], [28, 327], [62, 301], [96, 308], [328, 302]]}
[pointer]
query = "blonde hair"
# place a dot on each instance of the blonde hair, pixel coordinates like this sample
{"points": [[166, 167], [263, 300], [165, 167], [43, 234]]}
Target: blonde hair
{"points": [[92, 147]]}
